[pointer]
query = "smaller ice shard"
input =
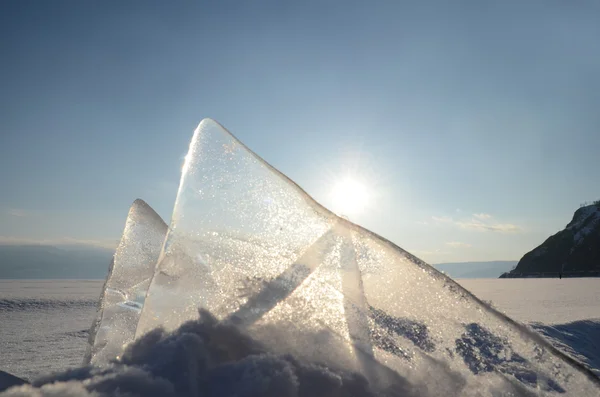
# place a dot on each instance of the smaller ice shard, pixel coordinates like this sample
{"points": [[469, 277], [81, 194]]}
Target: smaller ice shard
{"points": [[126, 285]]}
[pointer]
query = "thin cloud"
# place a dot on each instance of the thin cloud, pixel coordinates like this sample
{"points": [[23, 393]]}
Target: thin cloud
{"points": [[458, 244], [482, 216], [479, 222], [18, 213], [9, 240], [490, 227]]}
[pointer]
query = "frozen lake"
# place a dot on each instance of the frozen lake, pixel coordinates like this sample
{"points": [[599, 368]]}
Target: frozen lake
{"points": [[44, 323]]}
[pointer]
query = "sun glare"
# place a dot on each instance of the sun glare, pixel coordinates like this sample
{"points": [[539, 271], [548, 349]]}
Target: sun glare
{"points": [[349, 197]]}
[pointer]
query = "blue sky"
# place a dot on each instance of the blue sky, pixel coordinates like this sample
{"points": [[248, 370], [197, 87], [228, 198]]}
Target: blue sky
{"points": [[474, 125]]}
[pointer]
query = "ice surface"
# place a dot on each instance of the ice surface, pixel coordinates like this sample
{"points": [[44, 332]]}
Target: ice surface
{"points": [[45, 322], [250, 246], [129, 276], [541, 300]]}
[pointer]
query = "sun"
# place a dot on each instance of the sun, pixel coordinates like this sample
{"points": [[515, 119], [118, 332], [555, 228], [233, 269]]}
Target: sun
{"points": [[349, 197]]}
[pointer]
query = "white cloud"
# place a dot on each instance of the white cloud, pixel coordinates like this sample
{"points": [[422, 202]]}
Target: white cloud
{"points": [[18, 213], [490, 227], [9, 240], [457, 244], [482, 216], [479, 222]]}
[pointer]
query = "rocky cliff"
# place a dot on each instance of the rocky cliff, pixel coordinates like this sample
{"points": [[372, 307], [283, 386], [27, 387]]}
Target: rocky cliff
{"points": [[573, 251]]}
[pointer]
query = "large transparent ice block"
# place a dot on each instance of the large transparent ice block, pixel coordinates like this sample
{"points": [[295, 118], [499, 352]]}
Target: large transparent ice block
{"points": [[247, 244], [126, 285]]}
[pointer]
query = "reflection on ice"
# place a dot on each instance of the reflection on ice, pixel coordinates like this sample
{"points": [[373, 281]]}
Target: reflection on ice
{"points": [[249, 246], [126, 285]]}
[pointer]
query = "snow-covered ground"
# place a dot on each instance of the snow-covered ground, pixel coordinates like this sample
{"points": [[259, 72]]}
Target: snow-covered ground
{"points": [[544, 300], [566, 311], [43, 324]]}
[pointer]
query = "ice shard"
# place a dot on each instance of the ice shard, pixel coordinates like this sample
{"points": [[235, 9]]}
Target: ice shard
{"points": [[126, 285], [250, 246]]}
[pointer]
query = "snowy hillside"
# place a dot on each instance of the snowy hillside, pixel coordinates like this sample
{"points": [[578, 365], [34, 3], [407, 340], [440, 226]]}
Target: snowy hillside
{"points": [[574, 251]]}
